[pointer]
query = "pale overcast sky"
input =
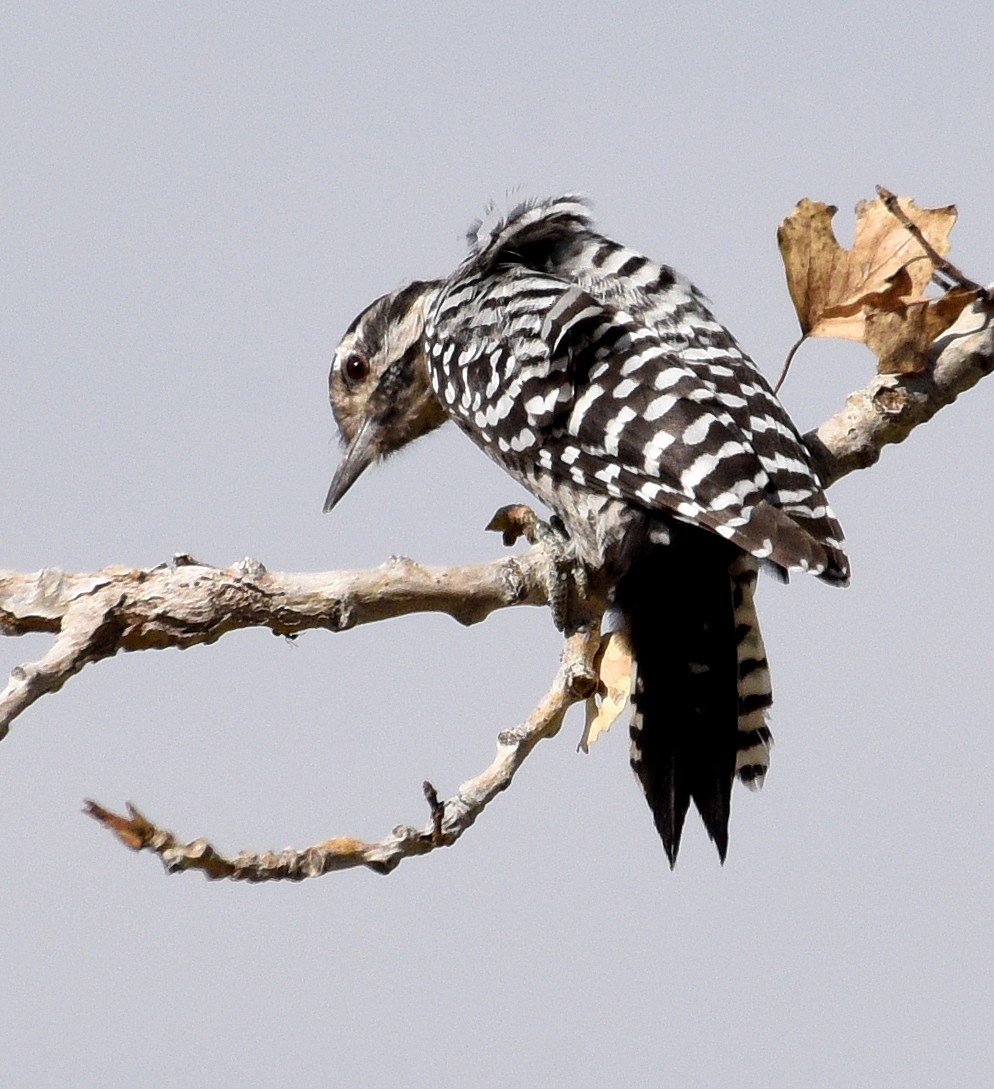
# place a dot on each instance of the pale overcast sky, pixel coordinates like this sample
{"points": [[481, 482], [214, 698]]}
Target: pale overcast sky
{"points": [[197, 200]]}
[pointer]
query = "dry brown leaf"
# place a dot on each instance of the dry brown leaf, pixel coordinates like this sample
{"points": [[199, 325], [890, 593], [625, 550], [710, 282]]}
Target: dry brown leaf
{"points": [[514, 521], [614, 664], [901, 337], [133, 831], [833, 288]]}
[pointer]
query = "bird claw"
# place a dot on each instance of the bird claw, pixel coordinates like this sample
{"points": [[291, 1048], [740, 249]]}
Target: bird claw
{"points": [[565, 575]]}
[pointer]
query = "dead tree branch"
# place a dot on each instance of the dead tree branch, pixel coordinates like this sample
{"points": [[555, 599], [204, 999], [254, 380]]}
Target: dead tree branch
{"points": [[184, 603], [576, 680], [893, 405]]}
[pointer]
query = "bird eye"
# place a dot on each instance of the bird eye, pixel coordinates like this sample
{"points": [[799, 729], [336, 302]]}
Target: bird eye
{"points": [[355, 368]]}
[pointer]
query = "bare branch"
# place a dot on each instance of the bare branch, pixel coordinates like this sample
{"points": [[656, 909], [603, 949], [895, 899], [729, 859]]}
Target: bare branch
{"points": [[437, 812], [185, 603], [893, 405], [575, 681], [787, 362]]}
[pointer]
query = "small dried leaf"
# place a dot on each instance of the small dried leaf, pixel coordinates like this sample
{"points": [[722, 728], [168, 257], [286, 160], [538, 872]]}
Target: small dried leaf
{"points": [[614, 665], [514, 521], [134, 831], [833, 288], [901, 337]]}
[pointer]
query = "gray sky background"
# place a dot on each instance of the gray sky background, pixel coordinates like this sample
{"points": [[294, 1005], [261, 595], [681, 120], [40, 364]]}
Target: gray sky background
{"points": [[197, 200]]}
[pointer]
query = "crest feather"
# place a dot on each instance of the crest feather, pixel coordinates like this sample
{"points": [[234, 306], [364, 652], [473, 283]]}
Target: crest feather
{"points": [[547, 220]]}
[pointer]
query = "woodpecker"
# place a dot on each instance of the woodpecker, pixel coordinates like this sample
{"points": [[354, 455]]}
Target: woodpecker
{"points": [[601, 382]]}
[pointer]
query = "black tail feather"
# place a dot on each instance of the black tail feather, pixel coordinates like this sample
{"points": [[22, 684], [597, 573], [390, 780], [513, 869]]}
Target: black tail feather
{"points": [[678, 604]]}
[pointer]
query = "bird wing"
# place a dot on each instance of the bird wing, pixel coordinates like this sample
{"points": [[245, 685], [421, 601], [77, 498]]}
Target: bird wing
{"points": [[539, 370], [633, 387]]}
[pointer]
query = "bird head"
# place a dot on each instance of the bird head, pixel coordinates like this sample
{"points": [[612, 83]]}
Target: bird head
{"points": [[380, 393]]}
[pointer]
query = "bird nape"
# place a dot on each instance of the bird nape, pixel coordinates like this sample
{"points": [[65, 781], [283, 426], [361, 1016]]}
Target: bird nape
{"points": [[601, 382]]}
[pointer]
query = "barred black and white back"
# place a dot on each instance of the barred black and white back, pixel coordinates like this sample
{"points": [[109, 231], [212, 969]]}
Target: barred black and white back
{"points": [[555, 344], [602, 382]]}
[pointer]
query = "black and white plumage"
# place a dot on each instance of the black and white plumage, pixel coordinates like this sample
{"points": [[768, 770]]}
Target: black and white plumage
{"points": [[601, 381]]}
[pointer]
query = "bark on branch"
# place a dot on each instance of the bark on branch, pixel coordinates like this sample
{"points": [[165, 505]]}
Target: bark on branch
{"points": [[183, 603]]}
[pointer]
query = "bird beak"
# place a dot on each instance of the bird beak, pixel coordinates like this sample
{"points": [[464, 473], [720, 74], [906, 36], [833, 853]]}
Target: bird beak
{"points": [[359, 456]]}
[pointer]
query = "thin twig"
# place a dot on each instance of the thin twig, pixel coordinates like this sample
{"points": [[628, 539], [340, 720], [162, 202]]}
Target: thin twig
{"points": [[574, 682], [946, 268], [787, 362], [437, 812]]}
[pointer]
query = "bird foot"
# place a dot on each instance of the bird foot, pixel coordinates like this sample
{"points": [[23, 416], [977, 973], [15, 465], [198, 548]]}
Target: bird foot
{"points": [[566, 578]]}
